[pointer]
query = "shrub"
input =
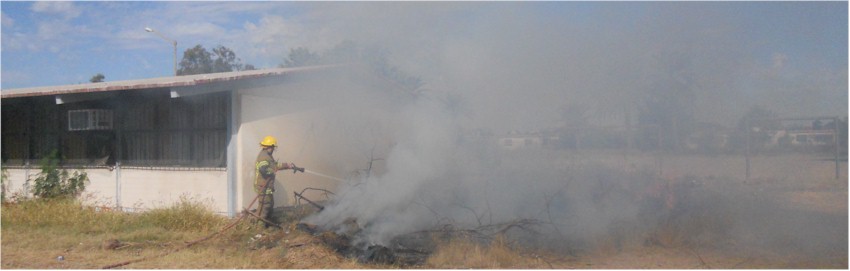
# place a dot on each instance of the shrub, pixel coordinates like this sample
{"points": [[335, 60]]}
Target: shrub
{"points": [[53, 182]]}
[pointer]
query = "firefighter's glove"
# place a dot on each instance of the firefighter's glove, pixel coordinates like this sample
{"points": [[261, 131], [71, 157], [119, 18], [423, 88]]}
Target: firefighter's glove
{"points": [[297, 169]]}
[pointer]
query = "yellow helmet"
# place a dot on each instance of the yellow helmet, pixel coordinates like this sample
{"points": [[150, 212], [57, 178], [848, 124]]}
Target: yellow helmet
{"points": [[269, 141]]}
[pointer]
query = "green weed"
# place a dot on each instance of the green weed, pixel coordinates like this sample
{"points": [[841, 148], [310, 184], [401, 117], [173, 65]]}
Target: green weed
{"points": [[53, 182]]}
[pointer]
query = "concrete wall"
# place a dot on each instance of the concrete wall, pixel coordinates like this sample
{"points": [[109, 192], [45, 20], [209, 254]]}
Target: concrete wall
{"points": [[142, 189], [100, 191], [15, 182], [314, 123], [146, 189], [292, 123]]}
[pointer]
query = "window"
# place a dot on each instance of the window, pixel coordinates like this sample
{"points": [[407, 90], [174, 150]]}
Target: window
{"points": [[144, 128], [802, 139], [89, 119], [188, 131], [823, 138]]}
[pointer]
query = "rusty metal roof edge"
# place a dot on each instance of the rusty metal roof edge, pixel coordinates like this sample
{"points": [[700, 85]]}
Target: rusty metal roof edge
{"points": [[160, 82]]}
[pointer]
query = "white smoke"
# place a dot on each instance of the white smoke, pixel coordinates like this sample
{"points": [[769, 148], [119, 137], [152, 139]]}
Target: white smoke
{"points": [[512, 70]]}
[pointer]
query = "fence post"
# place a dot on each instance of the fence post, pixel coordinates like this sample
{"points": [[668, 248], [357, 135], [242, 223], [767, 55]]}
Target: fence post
{"points": [[27, 178], [118, 185], [660, 153], [747, 153], [835, 142]]}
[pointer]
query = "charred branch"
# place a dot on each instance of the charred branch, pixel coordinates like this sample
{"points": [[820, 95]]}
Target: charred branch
{"points": [[299, 197]]}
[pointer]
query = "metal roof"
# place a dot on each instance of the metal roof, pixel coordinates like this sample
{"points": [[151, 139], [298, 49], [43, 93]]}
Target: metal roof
{"points": [[161, 82]]}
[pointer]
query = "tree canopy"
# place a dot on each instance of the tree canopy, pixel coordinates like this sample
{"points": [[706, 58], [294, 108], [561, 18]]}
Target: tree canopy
{"points": [[198, 60], [301, 56], [97, 78], [348, 51]]}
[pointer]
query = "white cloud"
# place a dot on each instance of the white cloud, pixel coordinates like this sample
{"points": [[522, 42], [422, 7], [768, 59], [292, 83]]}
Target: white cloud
{"points": [[779, 60], [6, 21], [52, 28], [15, 78], [259, 33], [266, 42], [49, 30], [205, 29], [64, 8]]}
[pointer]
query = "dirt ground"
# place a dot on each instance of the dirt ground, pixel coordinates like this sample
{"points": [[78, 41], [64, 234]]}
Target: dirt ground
{"points": [[807, 201], [791, 213]]}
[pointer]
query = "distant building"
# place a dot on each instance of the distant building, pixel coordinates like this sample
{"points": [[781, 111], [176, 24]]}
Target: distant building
{"points": [[528, 140], [708, 137], [803, 137]]}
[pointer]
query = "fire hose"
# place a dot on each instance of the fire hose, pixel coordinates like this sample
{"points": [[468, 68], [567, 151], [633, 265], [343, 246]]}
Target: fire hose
{"points": [[242, 215], [189, 244]]}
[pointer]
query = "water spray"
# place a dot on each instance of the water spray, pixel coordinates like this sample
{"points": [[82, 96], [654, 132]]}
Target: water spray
{"points": [[323, 175]]}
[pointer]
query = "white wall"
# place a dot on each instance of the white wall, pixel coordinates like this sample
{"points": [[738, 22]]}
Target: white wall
{"points": [[143, 189], [99, 191], [16, 181], [293, 131], [146, 189], [314, 123]]}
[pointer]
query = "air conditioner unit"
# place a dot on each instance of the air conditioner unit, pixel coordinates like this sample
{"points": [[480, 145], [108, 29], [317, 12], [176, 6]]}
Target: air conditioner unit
{"points": [[89, 119]]}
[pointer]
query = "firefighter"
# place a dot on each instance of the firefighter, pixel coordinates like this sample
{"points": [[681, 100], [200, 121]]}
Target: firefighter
{"points": [[266, 167]]}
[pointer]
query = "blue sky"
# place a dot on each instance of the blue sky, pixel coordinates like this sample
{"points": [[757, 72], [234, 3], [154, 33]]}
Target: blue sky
{"points": [[56, 43], [735, 51]]}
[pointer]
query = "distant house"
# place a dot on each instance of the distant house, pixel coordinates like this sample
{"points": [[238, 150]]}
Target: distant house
{"points": [[148, 143], [708, 137], [528, 139], [803, 137]]}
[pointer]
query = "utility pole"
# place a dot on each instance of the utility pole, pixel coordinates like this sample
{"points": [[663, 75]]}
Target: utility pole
{"points": [[173, 43]]}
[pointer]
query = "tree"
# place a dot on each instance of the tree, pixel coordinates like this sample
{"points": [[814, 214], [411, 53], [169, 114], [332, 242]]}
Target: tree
{"points": [[97, 78], [195, 61], [301, 56], [667, 109], [347, 52], [759, 117], [573, 122], [198, 60], [574, 115], [344, 52], [756, 123], [226, 60]]}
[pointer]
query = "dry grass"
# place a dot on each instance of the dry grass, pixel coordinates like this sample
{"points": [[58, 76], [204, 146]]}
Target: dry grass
{"points": [[461, 253], [36, 232]]}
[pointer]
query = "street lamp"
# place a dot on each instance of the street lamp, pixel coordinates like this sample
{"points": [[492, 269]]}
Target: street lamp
{"points": [[173, 42]]}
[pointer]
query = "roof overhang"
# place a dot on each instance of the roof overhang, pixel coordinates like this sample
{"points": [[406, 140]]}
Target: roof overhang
{"points": [[179, 85]]}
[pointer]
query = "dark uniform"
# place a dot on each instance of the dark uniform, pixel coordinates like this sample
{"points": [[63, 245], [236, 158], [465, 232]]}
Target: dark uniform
{"points": [[264, 181]]}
